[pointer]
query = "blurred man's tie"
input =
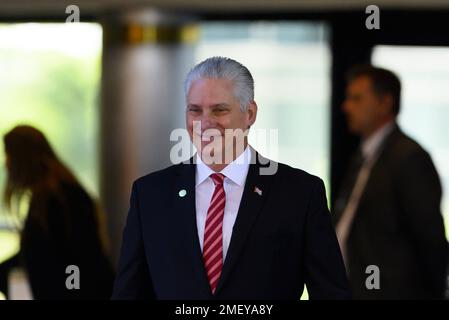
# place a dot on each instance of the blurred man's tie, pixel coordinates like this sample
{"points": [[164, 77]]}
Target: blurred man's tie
{"points": [[352, 190]]}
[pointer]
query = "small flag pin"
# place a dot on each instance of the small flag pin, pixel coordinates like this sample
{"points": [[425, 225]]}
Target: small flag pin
{"points": [[258, 191], [182, 193]]}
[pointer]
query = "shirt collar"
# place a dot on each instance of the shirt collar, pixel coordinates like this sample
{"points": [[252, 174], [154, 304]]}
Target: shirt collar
{"points": [[371, 145], [236, 171]]}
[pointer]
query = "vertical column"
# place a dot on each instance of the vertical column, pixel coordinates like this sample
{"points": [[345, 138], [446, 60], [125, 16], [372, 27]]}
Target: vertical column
{"points": [[146, 55]]}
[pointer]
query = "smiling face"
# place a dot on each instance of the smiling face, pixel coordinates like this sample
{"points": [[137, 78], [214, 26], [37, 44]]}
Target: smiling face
{"points": [[211, 109]]}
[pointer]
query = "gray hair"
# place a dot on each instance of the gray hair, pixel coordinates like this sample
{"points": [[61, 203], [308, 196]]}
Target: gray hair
{"points": [[224, 68]]}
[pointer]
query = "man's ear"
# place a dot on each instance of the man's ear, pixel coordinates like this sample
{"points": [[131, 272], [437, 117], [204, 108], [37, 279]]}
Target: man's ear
{"points": [[252, 113], [387, 104]]}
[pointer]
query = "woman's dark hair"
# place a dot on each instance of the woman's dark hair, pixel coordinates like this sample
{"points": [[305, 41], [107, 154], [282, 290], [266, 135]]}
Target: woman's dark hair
{"points": [[32, 165]]}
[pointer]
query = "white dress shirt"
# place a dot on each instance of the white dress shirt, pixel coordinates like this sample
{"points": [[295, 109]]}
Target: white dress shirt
{"points": [[370, 150], [234, 182], [371, 145]]}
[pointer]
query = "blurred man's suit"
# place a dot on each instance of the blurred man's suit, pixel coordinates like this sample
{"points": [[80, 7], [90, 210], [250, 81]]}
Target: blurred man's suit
{"points": [[282, 238], [397, 224]]}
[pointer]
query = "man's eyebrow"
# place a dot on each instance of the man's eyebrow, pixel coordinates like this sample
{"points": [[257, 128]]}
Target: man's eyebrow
{"points": [[221, 105], [217, 105]]}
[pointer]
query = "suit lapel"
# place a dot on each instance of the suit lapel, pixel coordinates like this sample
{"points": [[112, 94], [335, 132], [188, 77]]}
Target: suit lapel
{"points": [[250, 206], [185, 219]]}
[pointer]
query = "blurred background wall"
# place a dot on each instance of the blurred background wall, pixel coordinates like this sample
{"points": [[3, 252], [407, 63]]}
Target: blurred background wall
{"points": [[109, 90]]}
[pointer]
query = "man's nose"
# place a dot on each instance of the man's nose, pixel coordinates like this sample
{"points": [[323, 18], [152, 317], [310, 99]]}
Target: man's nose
{"points": [[207, 121]]}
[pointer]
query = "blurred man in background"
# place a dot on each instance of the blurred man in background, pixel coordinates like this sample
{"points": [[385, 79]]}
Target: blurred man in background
{"points": [[388, 210]]}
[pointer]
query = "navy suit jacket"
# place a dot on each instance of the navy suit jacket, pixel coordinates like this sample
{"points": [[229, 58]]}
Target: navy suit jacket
{"points": [[281, 240]]}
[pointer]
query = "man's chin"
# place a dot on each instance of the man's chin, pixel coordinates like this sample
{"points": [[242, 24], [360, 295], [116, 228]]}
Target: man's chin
{"points": [[212, 158], [209, 147]]}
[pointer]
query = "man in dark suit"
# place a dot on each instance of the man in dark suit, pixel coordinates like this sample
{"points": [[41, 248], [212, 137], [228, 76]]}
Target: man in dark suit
{"points": [[230, 225], [388, 212]]}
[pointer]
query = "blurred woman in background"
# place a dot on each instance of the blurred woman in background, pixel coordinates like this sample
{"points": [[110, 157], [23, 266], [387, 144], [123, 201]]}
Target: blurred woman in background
{"points": [[62, 225]]}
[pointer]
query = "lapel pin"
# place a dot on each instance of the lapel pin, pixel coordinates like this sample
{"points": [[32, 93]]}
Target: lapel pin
{"points": [[258, 191], [182, 193]]}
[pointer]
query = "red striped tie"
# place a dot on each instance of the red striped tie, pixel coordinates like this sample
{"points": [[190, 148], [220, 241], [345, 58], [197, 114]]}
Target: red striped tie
{"points": [[213, 236]]}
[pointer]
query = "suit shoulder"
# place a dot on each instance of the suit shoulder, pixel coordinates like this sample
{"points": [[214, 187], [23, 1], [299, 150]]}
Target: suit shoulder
{"points": [[157, 177], [405, 147], [298, 175], [298, 183]]}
